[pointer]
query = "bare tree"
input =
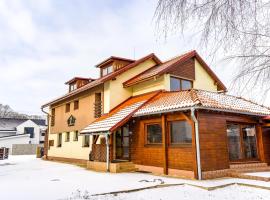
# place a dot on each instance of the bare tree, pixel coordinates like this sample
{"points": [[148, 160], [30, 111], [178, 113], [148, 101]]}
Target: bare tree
{"points": [[238, 28], [5, 110]]}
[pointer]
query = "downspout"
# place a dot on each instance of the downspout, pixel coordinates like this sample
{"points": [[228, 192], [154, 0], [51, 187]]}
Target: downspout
{"points": [[107, 152], [197, 139]]}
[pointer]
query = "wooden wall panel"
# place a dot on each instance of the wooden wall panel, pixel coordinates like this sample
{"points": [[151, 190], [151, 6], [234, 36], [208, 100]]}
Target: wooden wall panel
{"points": [[181, 158], [185, 70], [266, 144], [213, 138]]}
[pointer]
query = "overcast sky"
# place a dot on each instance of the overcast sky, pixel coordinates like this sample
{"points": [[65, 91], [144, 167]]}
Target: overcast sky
{"points": [[45, 43]]}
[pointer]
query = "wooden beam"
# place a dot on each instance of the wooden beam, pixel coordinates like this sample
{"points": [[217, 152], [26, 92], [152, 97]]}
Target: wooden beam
{"points": [[260, 143], [266, 125], [164, 144], [195, 167]]}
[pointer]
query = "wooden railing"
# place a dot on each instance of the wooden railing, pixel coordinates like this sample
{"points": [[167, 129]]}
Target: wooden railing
{"points": [[97, 109], [98, 153]]}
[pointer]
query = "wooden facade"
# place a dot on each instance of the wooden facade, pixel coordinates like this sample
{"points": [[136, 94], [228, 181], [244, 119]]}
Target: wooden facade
{"points": [[213, 142]]}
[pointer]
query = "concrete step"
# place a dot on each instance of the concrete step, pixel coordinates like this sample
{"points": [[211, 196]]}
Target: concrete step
{"points": [[252, 169], [248, 165]]}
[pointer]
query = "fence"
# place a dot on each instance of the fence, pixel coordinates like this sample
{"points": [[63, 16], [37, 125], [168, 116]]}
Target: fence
{"points": [[25, 149], [4, 153]]}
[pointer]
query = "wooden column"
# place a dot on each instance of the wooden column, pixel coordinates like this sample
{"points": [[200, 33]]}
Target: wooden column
{"points": [[260, 143], [164, 144]]}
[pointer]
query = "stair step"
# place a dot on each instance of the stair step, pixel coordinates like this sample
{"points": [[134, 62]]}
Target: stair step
{"points": [[257, 169], [248, 165]]}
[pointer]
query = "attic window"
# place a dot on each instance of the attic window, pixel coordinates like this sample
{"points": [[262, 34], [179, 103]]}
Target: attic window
{"points": [[72, 87], [107, 70]]}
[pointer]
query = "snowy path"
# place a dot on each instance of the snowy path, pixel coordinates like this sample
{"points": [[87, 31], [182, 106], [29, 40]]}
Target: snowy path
{"points": [[27, 178]]}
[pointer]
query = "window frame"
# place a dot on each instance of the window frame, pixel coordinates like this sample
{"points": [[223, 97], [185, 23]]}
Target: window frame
{"points": [[67, 109], [76, 138], [76, 105], [146, 133], [181, 144], [180, 82], [84, 144], [67, 137], [59, 142]]}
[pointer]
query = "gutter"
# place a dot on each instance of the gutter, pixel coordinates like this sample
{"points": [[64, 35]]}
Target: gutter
{"points": [[197, 140]]}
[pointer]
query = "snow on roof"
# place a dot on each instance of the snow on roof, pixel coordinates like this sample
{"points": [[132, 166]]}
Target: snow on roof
{"points": [[108, 123], [184, 100]]}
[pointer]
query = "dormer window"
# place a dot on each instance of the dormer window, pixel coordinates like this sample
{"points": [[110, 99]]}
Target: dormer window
{"points": [[72, 87], [107, 70], [177, 84]]}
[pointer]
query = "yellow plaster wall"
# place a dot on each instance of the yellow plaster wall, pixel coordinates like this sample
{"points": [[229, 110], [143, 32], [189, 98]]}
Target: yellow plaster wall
{"points": [[71, 149], [149, 86], [114, 93], [202, 79]]}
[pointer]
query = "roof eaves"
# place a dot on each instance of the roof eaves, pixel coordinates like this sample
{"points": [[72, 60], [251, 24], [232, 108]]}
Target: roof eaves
{"points": [[132, 113]]}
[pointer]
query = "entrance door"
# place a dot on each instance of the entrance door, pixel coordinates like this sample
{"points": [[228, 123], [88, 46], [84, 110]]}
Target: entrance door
{"points": [[242, 143], [122, 143]]}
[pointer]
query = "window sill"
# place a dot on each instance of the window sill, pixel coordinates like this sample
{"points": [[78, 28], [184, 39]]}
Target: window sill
{"points": [[153, 145], [180, 146], [85, 146]]}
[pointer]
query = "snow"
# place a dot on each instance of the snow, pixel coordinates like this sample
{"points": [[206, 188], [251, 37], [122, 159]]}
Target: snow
{"points": [[261, 174], [26, 177]]}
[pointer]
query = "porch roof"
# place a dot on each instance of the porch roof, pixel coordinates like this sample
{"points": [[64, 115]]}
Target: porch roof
{"points": [[200, 99], [118, 116]]}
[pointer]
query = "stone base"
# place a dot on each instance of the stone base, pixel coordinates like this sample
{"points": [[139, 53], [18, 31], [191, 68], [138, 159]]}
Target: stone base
{"points": [[75, 161], [171, 172], [114, 167], [216, 174]]}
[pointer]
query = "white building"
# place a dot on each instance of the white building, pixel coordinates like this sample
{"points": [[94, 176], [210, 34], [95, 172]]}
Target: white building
{"points": [[21, 131]]}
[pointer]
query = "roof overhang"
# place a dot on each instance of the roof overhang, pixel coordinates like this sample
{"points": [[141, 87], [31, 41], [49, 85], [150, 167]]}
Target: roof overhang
{"points": [[199, 108]]}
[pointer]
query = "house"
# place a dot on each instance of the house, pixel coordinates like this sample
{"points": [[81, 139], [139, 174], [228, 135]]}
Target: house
{"points": [[171, 117], [21, 131]]}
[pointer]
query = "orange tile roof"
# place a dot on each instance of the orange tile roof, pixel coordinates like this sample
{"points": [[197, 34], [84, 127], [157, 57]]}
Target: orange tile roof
{"points": [[200, 99], [164, 67], [119, 115]]}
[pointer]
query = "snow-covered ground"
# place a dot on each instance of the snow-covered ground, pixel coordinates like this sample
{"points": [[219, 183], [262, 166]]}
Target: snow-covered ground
{"points": [[261, 174], [27, 178]]}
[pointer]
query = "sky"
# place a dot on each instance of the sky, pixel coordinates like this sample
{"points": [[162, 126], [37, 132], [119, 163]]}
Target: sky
{"points": [[44, 43]]}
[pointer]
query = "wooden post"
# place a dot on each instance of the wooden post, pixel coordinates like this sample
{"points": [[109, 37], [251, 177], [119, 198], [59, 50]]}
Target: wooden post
{"points": [[165, 142], [260, 143]]}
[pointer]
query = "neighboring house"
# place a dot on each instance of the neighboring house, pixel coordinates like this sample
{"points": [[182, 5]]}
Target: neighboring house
{"points": [[171, 117], [21, 131]]}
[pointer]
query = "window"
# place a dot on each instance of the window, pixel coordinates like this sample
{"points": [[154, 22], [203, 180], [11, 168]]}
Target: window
{"points": [[86, 141], [67, 136], [59, 140], [154, 134], [76, 105], [177, 84], [72, 87], [76, 136], [180, 132], [29, 130], [67, 107], [53, 117], [43, 133], [107, 70], [242, 142]]}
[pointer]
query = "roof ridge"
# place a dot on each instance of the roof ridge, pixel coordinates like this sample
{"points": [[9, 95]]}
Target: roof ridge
{"points": [[182, 54]]}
